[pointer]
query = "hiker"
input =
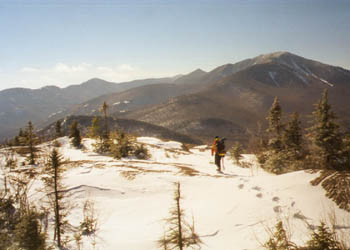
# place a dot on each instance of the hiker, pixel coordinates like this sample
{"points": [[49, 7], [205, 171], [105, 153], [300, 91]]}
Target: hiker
{"points": [[218, 148]]}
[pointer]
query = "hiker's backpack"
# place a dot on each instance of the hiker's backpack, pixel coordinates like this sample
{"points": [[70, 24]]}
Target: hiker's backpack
{"points": [[220, 145]]}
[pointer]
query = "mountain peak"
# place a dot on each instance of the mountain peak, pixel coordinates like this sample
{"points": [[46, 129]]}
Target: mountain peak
{"points": [[95, 82], [225, 70], [197, 72], [265, 58], [278, 53], [50, 87], [190, 77], [95, 79]]}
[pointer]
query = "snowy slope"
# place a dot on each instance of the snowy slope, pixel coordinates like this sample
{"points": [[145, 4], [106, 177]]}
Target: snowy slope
{"points": [[231, 210]]}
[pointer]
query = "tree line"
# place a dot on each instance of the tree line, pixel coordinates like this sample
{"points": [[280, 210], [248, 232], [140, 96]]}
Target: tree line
{"points": [[287, 147]]}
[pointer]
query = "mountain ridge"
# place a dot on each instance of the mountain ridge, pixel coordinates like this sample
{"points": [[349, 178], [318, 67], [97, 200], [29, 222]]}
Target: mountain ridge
{"points": [[243, 98], [19, 105], [245, 86]]}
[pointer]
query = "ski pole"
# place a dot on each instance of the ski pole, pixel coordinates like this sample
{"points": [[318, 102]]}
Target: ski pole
{"points": [[223, 166]]}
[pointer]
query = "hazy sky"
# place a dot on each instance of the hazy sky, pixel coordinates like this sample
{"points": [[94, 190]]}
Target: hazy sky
{"points": [[46, 42]]}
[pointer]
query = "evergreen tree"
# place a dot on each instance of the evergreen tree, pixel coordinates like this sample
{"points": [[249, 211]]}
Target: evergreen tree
{"points": [[89, 224], [16, 141], [121, 145], [20, 226], [275, 125], [104, 109], [274, 159], [95, 127], [30, 143], [20, 133], [346, 152], [325, 136], [75, 134], [279, 240], [8, 221], [292, 137], [323, 239], [236, 152], [54, 184], [22, 136], [28, 233], [141, 152], [103, 142], [58, 129], [180, 234]]}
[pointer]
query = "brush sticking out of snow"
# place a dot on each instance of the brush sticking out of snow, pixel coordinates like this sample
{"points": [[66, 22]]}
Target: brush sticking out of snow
{"points": [[231, 210]]}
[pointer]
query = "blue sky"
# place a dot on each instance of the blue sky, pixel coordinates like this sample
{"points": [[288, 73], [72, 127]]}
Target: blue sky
{"points": [[46, 42]]}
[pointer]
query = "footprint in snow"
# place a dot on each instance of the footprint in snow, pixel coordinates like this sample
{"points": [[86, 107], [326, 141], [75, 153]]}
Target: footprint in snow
{"points": [[86, 170], [299, 215], [256, 188], [259, 195], [276, 199], [277, 209], [243, 179], [240, 186]]}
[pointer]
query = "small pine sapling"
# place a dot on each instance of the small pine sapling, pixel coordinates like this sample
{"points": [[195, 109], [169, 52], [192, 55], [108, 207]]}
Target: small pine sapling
{"points": [[121, 144], [58, 129], [141, 152], [95, 130], [78, 240], [75, 134], [53, 182], [89, 224], [31, 143], [179, 234], [10, 164], [279, 239], [323, 239], [28, 232], [8, 220], [236, 153], [104, 109]]}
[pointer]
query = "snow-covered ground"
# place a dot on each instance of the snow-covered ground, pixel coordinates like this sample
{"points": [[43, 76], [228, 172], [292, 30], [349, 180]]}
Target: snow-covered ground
{"points": [[232, 210]]}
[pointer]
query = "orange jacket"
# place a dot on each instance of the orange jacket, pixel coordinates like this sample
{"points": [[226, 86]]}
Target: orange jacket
{"points": [[214, 148]]}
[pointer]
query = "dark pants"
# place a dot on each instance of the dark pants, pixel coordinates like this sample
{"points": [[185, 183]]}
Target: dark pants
{"points": [[218, 161]]}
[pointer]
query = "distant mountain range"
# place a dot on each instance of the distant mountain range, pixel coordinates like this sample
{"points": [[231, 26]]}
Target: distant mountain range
{"points": [[225, 101], [231, 105], [19, 105]]}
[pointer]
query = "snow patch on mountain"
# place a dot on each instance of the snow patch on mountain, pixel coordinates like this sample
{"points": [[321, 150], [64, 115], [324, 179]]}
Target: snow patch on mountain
{"points": [[323, 80], [301, 77], [272, 76], [53, 114], [297, 68], [301, 72]]}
